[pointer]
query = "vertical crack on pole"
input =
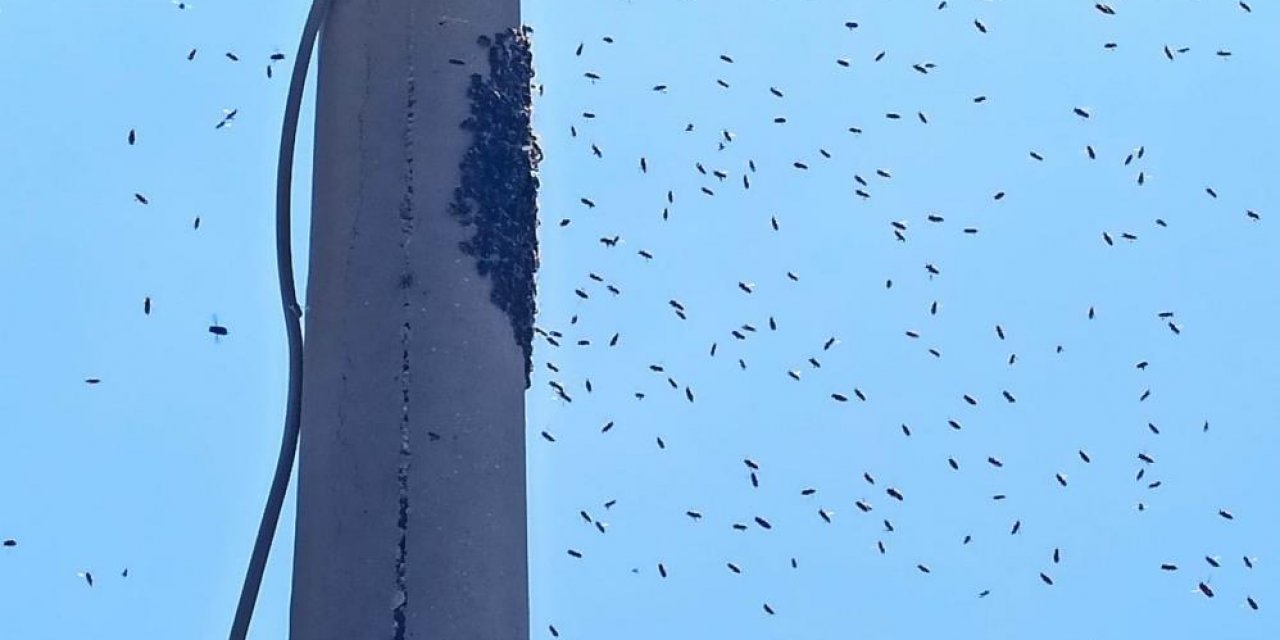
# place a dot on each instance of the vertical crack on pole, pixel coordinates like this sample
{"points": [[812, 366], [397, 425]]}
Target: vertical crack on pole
{"points": [[497, 195], [401, 599]]}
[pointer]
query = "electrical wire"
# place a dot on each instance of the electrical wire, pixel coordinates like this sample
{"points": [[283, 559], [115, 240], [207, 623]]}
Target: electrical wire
{"points": [[293, 325]]}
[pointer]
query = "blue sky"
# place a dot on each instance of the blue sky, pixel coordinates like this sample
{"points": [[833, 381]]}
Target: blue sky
{"points": [[162, 467]]}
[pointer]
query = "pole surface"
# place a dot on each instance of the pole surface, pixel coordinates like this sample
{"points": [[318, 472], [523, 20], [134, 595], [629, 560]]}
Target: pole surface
{"points": [[411, 482]]}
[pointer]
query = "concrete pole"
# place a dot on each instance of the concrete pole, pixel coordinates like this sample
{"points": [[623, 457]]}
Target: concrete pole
{"points": [[419, 310]]}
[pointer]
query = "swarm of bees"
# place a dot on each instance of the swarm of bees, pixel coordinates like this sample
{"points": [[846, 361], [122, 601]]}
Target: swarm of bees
{"points": [[748, 282], [699, 213]]}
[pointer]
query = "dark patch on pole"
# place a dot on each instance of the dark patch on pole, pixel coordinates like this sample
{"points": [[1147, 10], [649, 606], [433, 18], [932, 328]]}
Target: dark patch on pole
{"points": [[498, 192]]}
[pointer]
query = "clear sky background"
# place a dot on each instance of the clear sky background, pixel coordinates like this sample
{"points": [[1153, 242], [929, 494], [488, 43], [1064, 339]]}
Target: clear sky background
{"points": [[162, 468]]}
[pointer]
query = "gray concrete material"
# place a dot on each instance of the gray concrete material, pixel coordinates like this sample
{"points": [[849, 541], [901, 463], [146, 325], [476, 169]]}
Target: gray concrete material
{"points": [[413, 400]]}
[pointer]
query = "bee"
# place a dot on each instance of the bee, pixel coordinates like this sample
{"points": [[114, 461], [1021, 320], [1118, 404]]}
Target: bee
{"points": [[228, 118], [219, 331]]}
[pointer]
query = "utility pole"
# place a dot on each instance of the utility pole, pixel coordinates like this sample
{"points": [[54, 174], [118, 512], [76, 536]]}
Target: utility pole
{"points": [[419, 311]]}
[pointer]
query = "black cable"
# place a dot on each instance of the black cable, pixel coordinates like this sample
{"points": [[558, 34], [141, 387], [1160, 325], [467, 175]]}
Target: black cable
{"points": [[293, 326]]}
